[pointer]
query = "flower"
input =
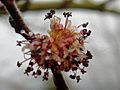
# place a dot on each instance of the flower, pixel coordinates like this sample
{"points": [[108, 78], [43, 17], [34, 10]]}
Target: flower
{"points": [[62, 49]]}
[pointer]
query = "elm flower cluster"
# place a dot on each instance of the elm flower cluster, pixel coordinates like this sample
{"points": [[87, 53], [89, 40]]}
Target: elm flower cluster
{"points": [[63, 49]]}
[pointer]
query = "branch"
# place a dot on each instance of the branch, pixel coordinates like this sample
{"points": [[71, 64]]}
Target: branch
{"points": [[18, 24], [59, 80], [58, 5], [15, 19]]}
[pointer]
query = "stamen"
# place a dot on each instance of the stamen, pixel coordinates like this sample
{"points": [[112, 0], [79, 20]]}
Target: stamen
{"points": [[27, 53], [25, 60], [66, 15], [85, 24]]}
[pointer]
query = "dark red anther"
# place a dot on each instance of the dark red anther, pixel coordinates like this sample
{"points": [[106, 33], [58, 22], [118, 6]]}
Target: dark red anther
{"points": [[83, 71], [89, 55], [84, 31], [85, 24], [78, 78], [85, 63], [74, 68], [45, 78], [72, 76], [29, 69], [67, 14], [67, 69], [88, 33], [19, 64], [33, 74], [49, 15], [31, 63], [38, 72], [52, 11]]}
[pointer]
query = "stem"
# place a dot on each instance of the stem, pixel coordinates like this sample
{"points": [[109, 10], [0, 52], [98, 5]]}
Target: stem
{"points": [[16, 20], [59, 80], [66, 21], [36, 6]]}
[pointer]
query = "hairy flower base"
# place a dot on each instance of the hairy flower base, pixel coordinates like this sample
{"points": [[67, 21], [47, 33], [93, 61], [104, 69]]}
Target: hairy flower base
{"points": [[63, 49]]}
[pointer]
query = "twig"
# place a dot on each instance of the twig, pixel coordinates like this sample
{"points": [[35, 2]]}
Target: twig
{"points": [[59, 80], [16, 20], [58, 5], [65, 3]]}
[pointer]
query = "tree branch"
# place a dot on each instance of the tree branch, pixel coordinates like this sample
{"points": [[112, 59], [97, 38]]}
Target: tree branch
{"points": [[15, 19], [59, 80], [58, 5]]}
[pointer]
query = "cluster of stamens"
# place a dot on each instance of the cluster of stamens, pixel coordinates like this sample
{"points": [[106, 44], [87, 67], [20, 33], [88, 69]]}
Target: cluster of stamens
{"points": [[63, 49]]}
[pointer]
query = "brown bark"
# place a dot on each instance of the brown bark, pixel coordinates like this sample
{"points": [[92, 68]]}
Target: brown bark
{"points": [[59, 80], [16, 20]]}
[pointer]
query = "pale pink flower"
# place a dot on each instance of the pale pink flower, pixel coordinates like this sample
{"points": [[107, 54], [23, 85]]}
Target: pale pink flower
{"points": [[63, 48]]}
